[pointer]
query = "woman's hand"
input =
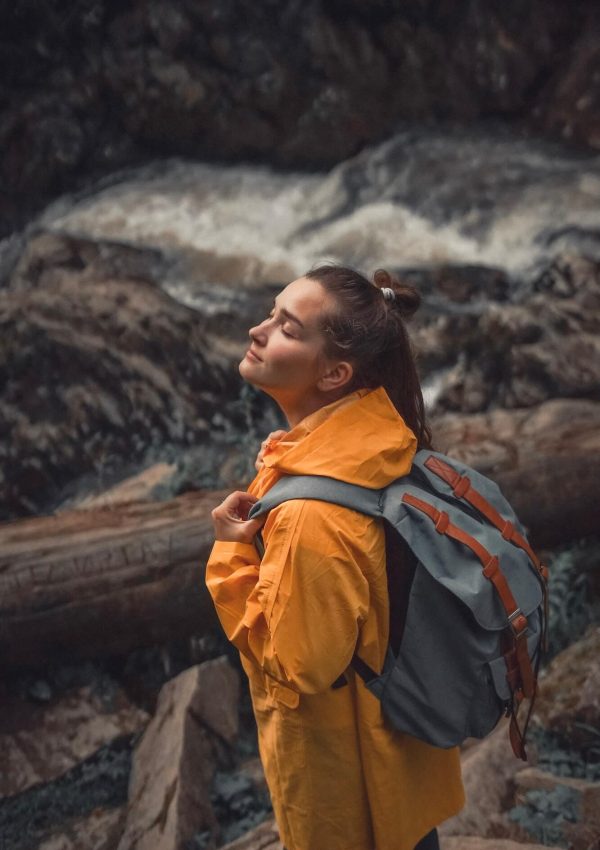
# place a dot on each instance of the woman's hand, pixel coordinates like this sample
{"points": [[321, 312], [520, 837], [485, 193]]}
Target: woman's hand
{"points": [[274, 435], [230, 518]]}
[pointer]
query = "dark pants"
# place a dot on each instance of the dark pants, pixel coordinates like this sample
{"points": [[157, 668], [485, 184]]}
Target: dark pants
{"points": [[430, 842]]}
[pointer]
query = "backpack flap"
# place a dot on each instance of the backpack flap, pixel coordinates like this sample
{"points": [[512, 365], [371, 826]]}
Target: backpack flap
{"points": [[453, 564], [453, 480]]}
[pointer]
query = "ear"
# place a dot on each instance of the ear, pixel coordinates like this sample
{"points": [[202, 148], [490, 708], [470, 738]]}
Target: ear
{"points": [[335, 377]]}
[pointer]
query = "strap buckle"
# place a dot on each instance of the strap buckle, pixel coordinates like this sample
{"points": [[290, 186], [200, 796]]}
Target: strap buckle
{"points": [[518, 628]]}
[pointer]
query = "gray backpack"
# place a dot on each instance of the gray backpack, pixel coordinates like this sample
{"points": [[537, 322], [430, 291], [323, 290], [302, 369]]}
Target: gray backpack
{"points": [[468, 599]]}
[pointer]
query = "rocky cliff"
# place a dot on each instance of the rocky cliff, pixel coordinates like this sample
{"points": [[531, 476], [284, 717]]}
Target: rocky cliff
{"points": [[95, 85]]}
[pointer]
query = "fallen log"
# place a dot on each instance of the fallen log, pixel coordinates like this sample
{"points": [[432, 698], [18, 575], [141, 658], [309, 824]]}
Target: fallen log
{"points": [[107, 580], [546, 460], [92, 583]]}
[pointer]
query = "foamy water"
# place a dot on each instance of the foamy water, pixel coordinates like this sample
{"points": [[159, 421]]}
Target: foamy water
{"points": [[418, 199]]}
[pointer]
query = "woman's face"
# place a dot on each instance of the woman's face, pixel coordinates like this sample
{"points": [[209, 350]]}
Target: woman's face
{"points": [[286, 357]]}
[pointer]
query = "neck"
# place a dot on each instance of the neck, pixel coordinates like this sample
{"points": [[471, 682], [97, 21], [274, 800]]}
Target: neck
{"points": [[297, 409]]}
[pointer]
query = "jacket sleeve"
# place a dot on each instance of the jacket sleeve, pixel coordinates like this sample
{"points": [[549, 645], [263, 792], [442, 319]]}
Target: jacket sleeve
{"points": [[297, 613]]}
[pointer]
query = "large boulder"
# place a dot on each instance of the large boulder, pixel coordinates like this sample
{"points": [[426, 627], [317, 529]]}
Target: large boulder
{"points": [[488, 769], [109, 83], [542, 344], [102, 371], [173, 765], [568, 700], [41, 739]]}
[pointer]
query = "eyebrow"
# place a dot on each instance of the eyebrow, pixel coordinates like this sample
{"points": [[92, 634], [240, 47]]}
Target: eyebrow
{"points": [[288, 315]]}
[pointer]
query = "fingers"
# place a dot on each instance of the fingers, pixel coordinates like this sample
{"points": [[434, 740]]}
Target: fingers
{"points": [[236, 506], [274, 435], [230, 518]]}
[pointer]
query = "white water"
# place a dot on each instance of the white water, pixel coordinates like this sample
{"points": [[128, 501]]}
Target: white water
{"points": [[417, 199]]}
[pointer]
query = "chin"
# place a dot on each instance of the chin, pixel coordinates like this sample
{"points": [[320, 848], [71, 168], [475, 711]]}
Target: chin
{"points": [[245, 370]]}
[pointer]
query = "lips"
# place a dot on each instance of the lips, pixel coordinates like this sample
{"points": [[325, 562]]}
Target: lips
{"points": [[252, 356]]}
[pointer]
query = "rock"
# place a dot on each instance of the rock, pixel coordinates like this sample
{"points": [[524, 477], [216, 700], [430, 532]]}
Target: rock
{"points": [[169, 792], [565, 107], [39, 743], [253, 770], [532, 778], [266, 837], [488, 768], [465, 842], [138, 488], [101, 830], [263, 837], [516, 355], [574, 819], [100, 373], [568, 699], [186, 78]]}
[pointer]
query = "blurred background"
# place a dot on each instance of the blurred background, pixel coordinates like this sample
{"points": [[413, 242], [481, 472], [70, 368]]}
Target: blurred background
{"points": [[165, 168]]}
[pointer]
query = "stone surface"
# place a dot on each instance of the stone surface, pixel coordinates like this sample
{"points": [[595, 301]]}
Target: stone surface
{"points": [[102, 372], [169, 792], [109, 84], [39, 742], [101, 830], [138, 488], [516, 355], [266, 837], [489, 768], [263, 837], [569, 692], [531, 778], [465, 842], [581, 802]]}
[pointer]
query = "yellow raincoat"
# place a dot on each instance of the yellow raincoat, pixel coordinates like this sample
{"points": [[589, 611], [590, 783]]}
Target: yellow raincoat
{"points": [[339, 778]]}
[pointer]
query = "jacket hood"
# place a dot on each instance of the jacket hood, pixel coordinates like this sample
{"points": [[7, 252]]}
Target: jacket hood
{"points": [[360, 439]]}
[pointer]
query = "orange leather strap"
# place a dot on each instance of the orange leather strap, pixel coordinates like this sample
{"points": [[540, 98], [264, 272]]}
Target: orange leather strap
{"points": [[491, 570], [462, 489]]}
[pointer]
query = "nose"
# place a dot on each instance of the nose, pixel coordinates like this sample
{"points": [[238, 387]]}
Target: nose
{"points": [[258, 334]]}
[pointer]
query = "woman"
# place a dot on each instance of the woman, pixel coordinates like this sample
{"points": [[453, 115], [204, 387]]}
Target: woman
{"points": [[335, 356]]}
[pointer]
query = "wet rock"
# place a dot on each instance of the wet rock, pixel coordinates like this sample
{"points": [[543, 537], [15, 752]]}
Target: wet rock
{"points": [[138, 488], [240, 802], [97, 784], [569, 693], [266, 837], [566, 107], [489, 768], [520, 354], [263, 837], [101, 830], [100, 374], [559, 809], [39, 743], [188, 79], [169, 792], [465, 842]]}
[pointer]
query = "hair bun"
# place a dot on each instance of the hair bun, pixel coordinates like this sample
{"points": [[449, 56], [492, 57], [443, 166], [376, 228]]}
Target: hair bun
{"points": [[406, 298]]}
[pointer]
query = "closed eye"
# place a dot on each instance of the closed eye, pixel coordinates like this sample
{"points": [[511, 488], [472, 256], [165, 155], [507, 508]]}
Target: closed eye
{"points": [[283, 331]]}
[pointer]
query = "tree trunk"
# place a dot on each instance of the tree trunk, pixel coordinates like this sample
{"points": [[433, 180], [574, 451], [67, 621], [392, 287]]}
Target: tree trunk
{"points": [[96, 582]]}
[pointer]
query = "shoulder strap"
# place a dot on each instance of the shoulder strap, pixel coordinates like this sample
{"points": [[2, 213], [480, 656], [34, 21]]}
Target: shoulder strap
{"points": [[325, 489], [322, 489]]}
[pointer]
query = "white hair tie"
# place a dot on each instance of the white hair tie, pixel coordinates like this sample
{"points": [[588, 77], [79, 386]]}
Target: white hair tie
{"points": [[388, 294]]}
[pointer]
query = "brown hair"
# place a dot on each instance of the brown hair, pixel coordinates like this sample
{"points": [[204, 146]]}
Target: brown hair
{"points": [[369, 330]]}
